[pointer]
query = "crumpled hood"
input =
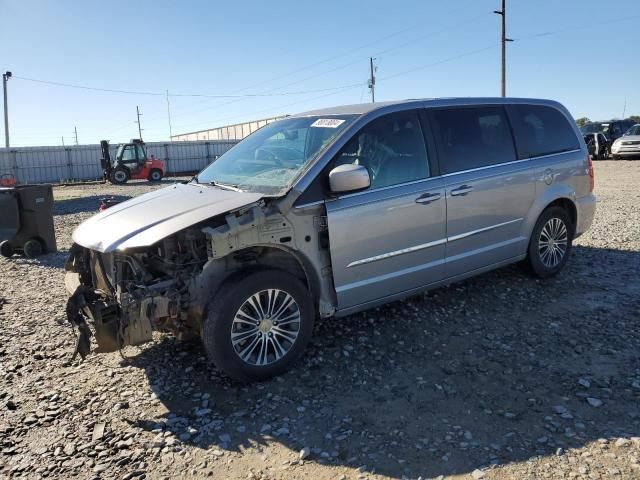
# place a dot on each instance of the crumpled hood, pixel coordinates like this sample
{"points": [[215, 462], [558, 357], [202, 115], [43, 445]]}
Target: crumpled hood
{"points": [[144, 220]]}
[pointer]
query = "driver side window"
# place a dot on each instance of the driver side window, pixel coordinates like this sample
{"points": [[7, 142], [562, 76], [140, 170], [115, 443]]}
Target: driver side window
{"points": [[391, 148]]}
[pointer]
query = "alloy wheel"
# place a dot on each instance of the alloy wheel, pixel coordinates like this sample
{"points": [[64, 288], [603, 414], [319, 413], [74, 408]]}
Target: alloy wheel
{"points": [[265, 327], [553, 241]]}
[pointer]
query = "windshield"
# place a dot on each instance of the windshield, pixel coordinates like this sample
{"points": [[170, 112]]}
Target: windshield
{"points": [[269, 160], [635, 130], [595, 128]]}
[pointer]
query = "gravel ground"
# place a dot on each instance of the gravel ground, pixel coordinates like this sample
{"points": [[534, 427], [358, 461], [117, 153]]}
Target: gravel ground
{"points": [[501, 376]]}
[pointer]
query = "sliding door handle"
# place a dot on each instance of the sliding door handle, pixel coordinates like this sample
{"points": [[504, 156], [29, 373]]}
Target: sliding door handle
{"points": [[463, 190], [427, 198]]}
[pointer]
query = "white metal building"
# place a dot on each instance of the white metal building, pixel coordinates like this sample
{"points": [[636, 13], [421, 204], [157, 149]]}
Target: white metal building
{"points": [[229, 132]]}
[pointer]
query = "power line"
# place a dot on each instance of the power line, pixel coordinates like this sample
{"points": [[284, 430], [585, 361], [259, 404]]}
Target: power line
{"points": [[458, 24], [577, 27], [420, 67], [339, 89], [271, 92], [204, 95], [279, 106], [439, 62], [236, 98]]}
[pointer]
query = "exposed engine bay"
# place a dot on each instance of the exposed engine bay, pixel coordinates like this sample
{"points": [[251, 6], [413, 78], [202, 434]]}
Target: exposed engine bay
{"points": [[129, 294]]}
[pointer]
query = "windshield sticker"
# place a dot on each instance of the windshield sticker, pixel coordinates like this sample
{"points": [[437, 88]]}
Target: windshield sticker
{"points": [[327, 123]]}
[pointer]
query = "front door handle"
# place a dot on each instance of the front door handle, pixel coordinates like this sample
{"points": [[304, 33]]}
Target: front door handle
{"points": [[427, 198], [463, 190]]}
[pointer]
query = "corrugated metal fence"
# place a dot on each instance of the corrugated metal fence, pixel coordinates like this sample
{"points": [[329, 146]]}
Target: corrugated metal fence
{"points": [[82, 162]]}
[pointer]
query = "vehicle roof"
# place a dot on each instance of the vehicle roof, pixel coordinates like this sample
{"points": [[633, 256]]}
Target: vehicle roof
{"points": [[363, 108], [596, 122]]}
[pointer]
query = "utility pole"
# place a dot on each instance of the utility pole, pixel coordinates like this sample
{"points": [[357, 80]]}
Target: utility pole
{"points": [[372, 80], [504, 40], [62, 141], [75, 130], [169, 114], [138, 122], [5, 78], [624, 109]]}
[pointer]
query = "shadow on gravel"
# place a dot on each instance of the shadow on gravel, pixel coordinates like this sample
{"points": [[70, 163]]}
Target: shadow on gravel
{"points": [[497, 369], [54, 259], [90, 203]]}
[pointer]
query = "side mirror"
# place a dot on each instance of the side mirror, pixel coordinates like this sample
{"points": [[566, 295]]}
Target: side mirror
{"points": [[349, 178]]}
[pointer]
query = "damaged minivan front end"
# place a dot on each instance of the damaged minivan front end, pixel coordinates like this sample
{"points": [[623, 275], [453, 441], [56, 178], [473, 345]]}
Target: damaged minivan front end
{"points": [[121, 290]]}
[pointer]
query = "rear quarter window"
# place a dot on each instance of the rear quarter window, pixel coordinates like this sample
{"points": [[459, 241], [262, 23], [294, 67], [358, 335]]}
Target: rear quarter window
{"points": [[542, 130]]}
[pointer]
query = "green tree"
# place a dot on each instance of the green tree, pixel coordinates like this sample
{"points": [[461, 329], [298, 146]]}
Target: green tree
{"points": [[581, 121], [634, 118]]}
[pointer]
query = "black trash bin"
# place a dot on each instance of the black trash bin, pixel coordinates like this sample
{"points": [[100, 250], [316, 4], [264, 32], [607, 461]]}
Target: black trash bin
{"points": [[26, 220]]}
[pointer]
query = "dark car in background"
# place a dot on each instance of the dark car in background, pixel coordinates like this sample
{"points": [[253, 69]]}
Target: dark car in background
{"points": [[597, 144], [613, 129]]}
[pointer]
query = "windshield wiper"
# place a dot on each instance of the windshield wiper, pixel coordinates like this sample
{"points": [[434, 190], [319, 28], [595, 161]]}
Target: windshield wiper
{"points": [[226, 186]]}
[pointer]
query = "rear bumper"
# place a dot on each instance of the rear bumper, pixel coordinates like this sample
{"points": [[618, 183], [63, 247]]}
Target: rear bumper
{"points": [[586, 209]]}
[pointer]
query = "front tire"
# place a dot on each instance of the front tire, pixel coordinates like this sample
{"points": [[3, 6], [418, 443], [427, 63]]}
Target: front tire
{"points": [[550, 243], [258, 325], [119, 176]]}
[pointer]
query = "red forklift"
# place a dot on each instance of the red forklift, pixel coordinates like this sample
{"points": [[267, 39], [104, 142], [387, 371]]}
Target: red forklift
{"points": [[131, 163]]}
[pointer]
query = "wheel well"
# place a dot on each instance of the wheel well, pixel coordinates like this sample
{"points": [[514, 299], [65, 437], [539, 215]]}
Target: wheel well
{"points": [[568, 206], [254, 258]]}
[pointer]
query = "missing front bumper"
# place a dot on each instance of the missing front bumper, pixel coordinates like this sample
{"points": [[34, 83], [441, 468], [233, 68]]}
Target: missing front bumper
{"points": [[112, 330]]}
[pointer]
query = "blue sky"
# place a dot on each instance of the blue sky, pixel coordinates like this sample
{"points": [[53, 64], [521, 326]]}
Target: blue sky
{"points": [[580, 52]]}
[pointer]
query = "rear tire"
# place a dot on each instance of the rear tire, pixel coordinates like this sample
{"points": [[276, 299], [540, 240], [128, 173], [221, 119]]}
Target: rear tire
{"points": [[155, 175], [119, 176], [6, 250], [32, 248], [550, 243], [235, 332]]}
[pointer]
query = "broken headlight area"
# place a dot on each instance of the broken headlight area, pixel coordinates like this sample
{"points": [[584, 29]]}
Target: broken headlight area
{"points": [[124, 296]]}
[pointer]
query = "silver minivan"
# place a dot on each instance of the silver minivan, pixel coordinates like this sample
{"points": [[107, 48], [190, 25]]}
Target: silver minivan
{"points": [[327, 213]]}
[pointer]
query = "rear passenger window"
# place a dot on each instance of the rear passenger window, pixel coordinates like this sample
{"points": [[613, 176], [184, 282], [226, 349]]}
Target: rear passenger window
{"points": [[542, 130], [470, 138]]}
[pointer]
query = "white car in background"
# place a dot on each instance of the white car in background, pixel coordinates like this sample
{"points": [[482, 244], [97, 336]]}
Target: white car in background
{"points": [[628, 145]]}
